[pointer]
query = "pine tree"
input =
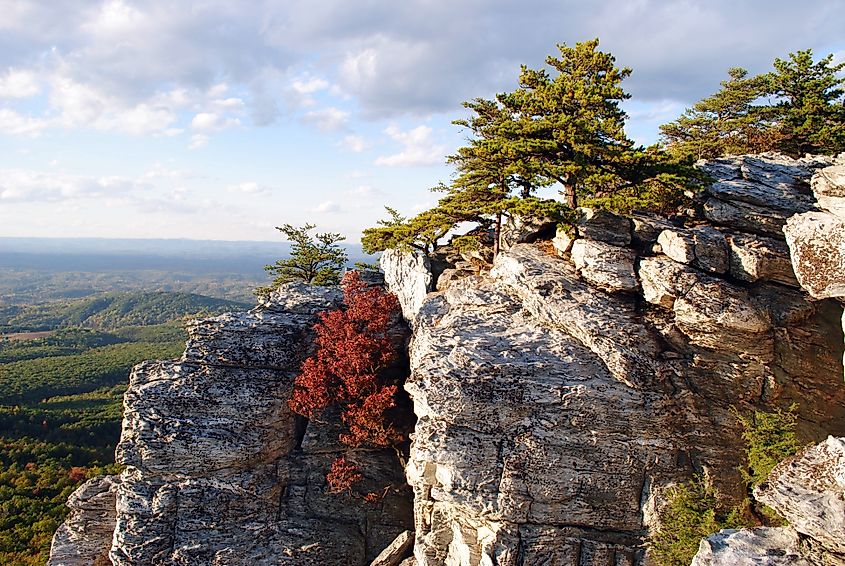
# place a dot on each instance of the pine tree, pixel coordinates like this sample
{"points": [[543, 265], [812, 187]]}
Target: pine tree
{"points": [[811, 107], [728, 122], [798, 108], [315, 260]]}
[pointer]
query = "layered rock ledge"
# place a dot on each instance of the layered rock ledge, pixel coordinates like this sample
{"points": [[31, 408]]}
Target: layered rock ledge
{"points": [[219, 471], [560, 394]]}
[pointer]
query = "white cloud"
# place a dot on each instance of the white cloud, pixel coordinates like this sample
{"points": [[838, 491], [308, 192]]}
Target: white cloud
{"points": [[327, 119], [22, 185], [355, 144], [418, 148], [231, 103], [207, 122], [198, 141], [326, 207], [18, 83], [250, 188], [16, 124], [309, 85]]}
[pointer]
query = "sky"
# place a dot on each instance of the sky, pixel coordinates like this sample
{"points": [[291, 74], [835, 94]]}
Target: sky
{"points": [[222, 120]]}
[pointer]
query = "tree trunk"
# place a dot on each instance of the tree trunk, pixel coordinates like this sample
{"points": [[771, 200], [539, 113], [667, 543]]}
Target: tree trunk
{"points": [[569, 193], [497, 234]]}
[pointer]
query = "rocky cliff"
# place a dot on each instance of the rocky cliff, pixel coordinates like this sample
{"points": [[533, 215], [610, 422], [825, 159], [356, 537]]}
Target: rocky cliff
{"points": [[561, 392], [808, 489], [219, 471], [558, 392]]}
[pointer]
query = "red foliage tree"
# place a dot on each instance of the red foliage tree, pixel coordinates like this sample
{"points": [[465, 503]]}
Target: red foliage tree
{"points": [[354, 347]]}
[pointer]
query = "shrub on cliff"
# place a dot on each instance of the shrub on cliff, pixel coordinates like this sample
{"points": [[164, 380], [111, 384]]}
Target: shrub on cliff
{"points": [[347, 371], [690, 514], [315, 260], [769, 439]]}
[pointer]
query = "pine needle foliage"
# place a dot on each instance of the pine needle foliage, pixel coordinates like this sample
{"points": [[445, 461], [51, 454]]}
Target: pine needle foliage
{"points": [[314, 259]]}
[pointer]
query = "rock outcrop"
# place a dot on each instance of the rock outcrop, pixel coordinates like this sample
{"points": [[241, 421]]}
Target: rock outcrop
{"points": [[558, 395], [558, 398], [219, 471], [808, 489], [84, 539]]}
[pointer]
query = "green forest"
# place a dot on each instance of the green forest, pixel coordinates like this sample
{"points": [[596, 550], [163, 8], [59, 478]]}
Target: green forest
{"points": [[61, 392]]}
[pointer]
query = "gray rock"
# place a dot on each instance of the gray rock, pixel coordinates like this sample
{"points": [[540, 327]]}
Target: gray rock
{"points": [[757, 258], [711, 250], [809, 491], [829, 189], [84, 539], [677, 244], [704, 247], [503, 463], [751, 547], [663, 280], [647, 227], [746, 217], [408, 275], [604, 265], [220, 471], [757, 193], [781, 198], [395, 553], [563, 240], [604, 226], [817, 245]]}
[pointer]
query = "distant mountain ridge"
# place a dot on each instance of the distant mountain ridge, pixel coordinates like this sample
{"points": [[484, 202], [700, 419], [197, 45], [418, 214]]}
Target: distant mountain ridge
{"points": [[113, 310]]}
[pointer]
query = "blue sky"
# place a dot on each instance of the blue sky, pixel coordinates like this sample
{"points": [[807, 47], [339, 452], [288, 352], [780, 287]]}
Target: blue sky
{"points": [[221, 120]]}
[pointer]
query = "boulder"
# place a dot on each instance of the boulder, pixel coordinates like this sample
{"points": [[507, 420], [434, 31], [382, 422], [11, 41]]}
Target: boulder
{"points": [[704, 247], [808, 490], [828, 186], [677, 244], [604, 226], [751, 547], [396, 552], [604, 265], [817, 245], [757, 258], [647, 227]]}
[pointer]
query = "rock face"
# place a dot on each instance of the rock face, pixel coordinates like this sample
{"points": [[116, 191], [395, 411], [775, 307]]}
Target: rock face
{"points": [[558, 395], [809, 491], [554, 411], [409, 276], [84, 539], [220, 471]]}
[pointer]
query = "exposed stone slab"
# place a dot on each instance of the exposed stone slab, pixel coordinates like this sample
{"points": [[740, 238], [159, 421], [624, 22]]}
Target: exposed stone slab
{"points": [[407, 275], [751, 547], [604, 265], [757, 258], [394, 554], [809, 491], [828, 186], [817, 245], [84, 539], [604, 226]]}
